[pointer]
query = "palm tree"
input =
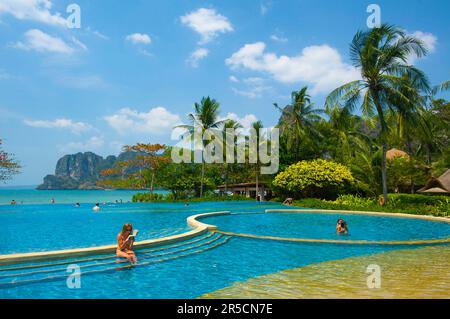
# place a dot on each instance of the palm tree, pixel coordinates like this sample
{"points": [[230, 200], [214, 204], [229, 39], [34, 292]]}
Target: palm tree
{"points": [[257, 126], [204, 118], [444, 86], [346, 129], [228, 124], [382, 54], [298, 118]]}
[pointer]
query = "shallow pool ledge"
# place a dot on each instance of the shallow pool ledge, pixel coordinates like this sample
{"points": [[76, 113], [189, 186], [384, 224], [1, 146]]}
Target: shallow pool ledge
{"points": [[199, 229], [193, 220], [337, 211]]}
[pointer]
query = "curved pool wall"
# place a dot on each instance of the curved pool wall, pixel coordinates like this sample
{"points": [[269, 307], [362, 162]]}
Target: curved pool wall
{"points": [[39, 228], [199, 229], [217, 262], [317, 226]]}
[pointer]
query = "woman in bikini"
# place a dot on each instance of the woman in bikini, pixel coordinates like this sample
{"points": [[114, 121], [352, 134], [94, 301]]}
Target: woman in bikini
{"points": [[125, 244]]}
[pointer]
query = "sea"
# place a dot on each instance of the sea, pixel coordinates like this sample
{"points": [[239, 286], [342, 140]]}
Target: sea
{"points": [[30, 195]]}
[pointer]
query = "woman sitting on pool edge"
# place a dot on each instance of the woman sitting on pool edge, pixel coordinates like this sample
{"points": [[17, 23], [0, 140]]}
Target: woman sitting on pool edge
{"points": [[125, 244], [341, 227]]}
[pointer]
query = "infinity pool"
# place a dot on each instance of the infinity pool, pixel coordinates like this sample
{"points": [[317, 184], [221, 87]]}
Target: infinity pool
{"points": [[186, 269]]}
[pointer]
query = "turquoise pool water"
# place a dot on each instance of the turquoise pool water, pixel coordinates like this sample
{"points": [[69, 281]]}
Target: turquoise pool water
{"points": [[321, 226], [182, 270], [29, 195]]}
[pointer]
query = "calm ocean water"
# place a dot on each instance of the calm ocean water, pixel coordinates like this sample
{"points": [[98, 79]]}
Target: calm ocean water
{"points": [[29, 195]]}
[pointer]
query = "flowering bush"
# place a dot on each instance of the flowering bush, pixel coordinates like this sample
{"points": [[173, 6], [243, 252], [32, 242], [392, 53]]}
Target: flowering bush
{"points": [[317, 178]]}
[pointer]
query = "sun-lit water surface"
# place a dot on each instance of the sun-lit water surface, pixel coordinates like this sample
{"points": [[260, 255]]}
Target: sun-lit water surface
{"points": [[412, 273], [184, 270]]}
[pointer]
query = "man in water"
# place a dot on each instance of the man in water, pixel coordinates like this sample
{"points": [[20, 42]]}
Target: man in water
{"points": [[13, 202]]}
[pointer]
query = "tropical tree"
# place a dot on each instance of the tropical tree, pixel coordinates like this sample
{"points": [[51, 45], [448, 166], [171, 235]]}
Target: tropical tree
{"points": [[8, 165], [235, 126], [257, 126], [149, 158], [204, 119], [381, 54], [297, 120], [346, 133]]}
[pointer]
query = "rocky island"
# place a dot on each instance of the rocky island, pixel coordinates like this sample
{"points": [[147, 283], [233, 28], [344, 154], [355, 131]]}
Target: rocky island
{"points": [[81, 171]]}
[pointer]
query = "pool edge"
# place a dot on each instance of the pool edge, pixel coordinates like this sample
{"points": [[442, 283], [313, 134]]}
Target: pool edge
{"points": [[199, 229]]}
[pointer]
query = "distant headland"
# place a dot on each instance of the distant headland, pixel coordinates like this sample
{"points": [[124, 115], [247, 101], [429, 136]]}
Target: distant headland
{"points": [[81, 171]]}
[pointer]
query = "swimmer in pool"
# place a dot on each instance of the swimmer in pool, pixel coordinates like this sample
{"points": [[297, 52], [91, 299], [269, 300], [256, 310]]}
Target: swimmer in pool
{"points": [[125, 244], [341, 226]]}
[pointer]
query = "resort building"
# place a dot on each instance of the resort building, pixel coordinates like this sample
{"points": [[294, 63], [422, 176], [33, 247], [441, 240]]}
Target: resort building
{"points": [[437, 185], [247, 189]]}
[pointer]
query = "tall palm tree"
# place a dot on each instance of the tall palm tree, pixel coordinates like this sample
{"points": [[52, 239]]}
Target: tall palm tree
{"points": [[381, 54], [205, 117], [298, 118], [257, 126], [228, 124]]}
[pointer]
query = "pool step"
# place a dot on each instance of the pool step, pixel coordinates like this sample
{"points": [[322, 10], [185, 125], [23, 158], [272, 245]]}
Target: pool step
{"points": [[28, 274]]}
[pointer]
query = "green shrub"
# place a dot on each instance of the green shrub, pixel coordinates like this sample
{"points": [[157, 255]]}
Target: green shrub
{"points": [[169, 197], [417, 199], [398, 203], [356, 201], [147, 197], [317, 178]]}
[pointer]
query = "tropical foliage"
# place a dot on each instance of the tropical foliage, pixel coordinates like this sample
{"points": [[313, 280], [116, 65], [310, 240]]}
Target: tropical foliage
{"points": [[8, 165], [339, 147], [317, 178]]}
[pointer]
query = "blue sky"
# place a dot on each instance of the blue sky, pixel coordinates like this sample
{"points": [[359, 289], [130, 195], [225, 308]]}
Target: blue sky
{"points": [[134, 70]]}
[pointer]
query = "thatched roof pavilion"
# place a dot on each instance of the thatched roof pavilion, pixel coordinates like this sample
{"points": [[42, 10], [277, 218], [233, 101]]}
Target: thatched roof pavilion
{"points": [[437, 185]]}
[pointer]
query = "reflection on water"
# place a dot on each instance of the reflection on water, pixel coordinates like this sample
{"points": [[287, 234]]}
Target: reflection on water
{"points": [[413, 273]]}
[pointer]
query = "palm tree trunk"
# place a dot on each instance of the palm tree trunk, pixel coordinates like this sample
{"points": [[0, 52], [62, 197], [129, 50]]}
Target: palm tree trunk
{"points": [[257, 188], [203, 176], [384, 174], [152, 182], [383, 135]]}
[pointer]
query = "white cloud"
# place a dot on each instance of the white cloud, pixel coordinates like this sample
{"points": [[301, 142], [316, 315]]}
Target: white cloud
{"points": [[319, 65], [35, 10], [42, 42], [139, 38], [196, 56], [234, 79], [97, 33], [92, 144], [208, 23], [429, 40], [246, 121], [157, 121], [254, 87], [75, 127], [277, 38]]}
